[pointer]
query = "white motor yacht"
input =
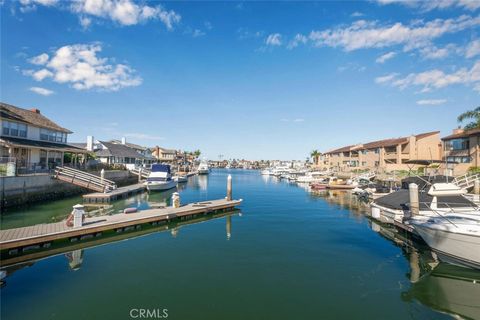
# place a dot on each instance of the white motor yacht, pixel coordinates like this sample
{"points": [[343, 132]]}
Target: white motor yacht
{"points": [[203, 168], [455, 237], [160, 178]]}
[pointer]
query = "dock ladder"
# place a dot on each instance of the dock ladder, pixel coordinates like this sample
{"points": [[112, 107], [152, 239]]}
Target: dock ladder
{"points": [[84, 179]]}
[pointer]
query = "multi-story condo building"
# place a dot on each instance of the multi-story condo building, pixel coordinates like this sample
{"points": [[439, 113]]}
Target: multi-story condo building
{"points": [[32, 141], [385, 155], [461, 150]]}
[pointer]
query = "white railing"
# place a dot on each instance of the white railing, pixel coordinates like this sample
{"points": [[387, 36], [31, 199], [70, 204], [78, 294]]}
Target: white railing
{"points": [[466, 181], [84, 179]]}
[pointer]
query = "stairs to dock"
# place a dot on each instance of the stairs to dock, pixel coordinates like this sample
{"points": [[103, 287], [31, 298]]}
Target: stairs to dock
{"points": [[84, 179], [466, 181], [145, 172]]}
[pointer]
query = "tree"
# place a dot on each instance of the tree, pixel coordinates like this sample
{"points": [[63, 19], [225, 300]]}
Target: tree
{"points": [[470, 115], [197, 153], [315, 155]]}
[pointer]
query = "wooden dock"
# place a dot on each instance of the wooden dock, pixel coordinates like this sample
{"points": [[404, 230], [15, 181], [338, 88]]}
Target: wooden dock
{"points": [[35, 255], [40, 236], [119, 193]]}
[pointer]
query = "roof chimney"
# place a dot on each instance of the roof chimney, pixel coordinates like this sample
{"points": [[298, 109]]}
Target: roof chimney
{"points": [[458, 131], [35, 110], [124, 140], [90, 143]]}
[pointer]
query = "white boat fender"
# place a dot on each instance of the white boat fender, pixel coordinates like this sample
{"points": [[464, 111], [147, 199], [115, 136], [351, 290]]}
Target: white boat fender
{"points": [[375, 213], [130, 210]]}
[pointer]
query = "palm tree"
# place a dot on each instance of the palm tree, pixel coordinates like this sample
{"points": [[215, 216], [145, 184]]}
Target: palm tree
{"points": [[315, 155], [197, 153], [470, 115]]}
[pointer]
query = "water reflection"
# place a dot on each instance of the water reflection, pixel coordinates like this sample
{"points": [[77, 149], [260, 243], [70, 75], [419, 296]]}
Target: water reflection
{"points": [[76, 258], [440, 286], [202, 181]]}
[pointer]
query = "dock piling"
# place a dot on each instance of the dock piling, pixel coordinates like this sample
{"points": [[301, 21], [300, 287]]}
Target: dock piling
{"points": [[140, 175], [78, 212], [176, 200], [229, 187], [414, 203]]}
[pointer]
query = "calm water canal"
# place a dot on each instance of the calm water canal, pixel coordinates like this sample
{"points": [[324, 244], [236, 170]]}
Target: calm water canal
{"points": [[290, 254]]}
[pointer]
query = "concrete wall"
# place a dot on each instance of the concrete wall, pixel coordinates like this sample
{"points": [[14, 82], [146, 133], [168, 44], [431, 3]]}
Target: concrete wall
{"points": [[16, 191]]}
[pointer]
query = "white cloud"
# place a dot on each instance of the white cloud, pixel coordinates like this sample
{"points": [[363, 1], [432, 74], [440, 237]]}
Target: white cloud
{"points": [[432, 52], [274, 39], [85, 22], [356, 14], [41, 74], [431, 102], [435, 4], [41, 91], [385, 57], [472, 49], [299, 120], [297, 40], [435, 79], [80, 66], [41, 2], [40, 59], [386, 79], [125, 12], [364, 34], [197, 33]]}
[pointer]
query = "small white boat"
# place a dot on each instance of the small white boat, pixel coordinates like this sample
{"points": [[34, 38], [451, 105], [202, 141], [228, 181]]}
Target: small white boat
{"points": [[203, 168], [455, 237], [180, 179], [160, 178], [394, 206], [266, 172]]}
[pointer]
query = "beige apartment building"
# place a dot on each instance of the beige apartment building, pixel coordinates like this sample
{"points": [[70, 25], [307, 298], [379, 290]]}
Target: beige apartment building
{"points": [[385, 155], [461, 151]]}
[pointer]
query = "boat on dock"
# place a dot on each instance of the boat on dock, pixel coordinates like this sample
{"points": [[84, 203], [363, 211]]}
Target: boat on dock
{"points": [[160, 178], [454, 237], [203, 168], [435, 196]]}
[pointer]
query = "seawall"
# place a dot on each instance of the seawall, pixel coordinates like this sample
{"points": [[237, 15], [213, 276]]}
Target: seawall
{"points": [[23, 190]]}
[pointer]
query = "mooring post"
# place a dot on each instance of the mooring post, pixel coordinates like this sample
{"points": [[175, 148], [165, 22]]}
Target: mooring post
{"points": [[102, 176], [413, 194], [229, 187], [139, 175], [78, 212], [476, 190], [176, 200]]}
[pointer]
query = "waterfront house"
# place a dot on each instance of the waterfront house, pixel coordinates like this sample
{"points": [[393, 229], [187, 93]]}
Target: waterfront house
{"points": [[164, 155], [148, 157], [32, 142], [461, 150], [385, 155], [114, 154]]}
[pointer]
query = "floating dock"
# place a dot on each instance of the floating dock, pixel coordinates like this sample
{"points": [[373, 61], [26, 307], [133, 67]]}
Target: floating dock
{"points": [[40, 236], [119, 193]]}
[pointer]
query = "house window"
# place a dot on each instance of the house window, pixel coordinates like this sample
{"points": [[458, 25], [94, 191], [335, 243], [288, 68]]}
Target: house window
{"points": [[14, 129], [377, 151], [53, 136], [457, 144], [459, 159]]}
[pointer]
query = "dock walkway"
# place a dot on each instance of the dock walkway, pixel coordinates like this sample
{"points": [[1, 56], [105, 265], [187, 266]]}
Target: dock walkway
{"points": [[119, 193], [45, 233]]}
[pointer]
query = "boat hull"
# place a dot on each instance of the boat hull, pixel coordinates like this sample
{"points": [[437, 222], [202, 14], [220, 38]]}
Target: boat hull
{"points": [[203, 171], [161, 186], [452, 247]]}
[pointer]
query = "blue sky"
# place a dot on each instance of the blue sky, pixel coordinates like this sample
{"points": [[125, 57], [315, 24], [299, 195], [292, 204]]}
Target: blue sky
{"points": [[257, 80]]}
